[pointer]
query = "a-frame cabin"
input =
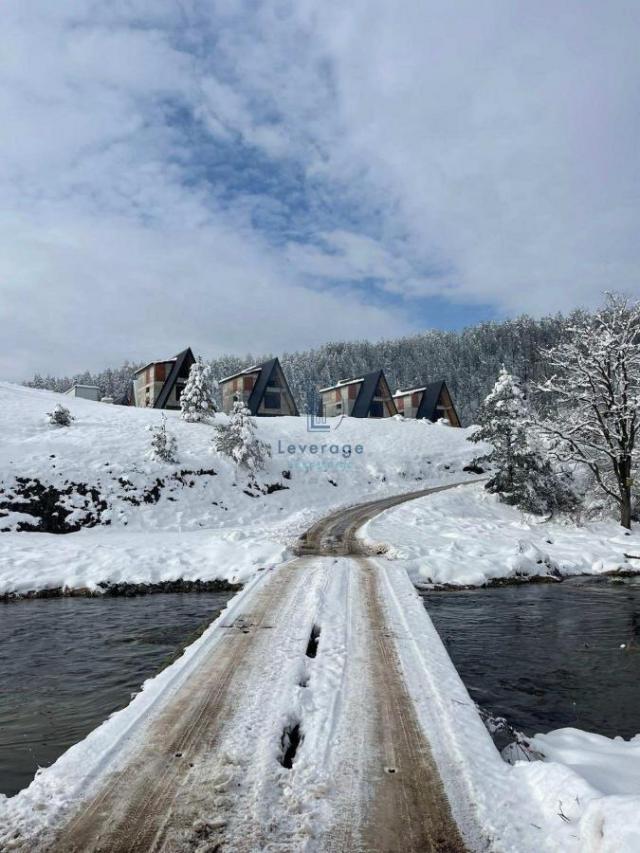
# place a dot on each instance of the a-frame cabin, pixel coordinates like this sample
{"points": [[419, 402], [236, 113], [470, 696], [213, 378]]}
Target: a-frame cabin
{"points": [[366, 397], [263, 388], [159, 384], [431, 402]]}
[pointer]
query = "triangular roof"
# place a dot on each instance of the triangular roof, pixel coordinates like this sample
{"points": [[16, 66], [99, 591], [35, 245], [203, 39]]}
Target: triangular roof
{"points": [[367, 392], [267, 370], [181, 364], [431, 396]]}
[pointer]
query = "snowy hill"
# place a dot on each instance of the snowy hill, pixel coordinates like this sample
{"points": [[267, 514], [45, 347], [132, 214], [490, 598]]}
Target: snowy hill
{"points": [[125, 512]]}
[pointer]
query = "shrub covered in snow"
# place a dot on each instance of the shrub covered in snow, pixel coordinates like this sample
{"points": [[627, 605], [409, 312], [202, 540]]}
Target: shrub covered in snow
{"points": [[237, 439], [60, 416], [196, 400], [164, 446], [522, 476]]}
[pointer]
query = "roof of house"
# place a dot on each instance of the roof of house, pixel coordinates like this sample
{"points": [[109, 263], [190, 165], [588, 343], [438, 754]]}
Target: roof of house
{"points": [[81, 385], [428, 407], [253, 369], [181, 362], [402, 392], [267, 370], [158, 361], [367, 392], [340, 384]]}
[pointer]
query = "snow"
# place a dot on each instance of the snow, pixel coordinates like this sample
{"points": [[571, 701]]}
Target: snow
{"points": [[583, 798], [86, 559], [106, 447], [587, 789], [611, 765], [466, 537]]}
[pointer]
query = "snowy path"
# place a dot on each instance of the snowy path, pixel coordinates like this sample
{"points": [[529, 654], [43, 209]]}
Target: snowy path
{"points": [[307, 668]]}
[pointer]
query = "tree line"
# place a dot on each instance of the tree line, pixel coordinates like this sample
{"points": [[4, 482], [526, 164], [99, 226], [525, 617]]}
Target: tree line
{"points": [[469, 360]]}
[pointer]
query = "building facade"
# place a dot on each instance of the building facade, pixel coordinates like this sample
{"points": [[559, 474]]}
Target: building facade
{"points": [[366, 397], [86, 392], [159, 384], [430, 402]]}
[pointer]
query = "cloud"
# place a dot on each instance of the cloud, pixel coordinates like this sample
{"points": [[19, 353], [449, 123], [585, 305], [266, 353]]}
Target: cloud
{"points": [[269, 175]]}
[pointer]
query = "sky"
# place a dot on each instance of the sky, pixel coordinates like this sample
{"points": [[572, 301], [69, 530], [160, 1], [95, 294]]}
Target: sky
{"points": [[268, 176]]}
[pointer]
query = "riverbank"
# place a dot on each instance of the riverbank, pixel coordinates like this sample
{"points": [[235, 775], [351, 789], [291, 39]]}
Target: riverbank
{"points": [[466, 539]]}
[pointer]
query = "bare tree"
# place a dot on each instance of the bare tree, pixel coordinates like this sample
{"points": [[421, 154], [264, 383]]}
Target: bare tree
{"points": [[595, 391]]}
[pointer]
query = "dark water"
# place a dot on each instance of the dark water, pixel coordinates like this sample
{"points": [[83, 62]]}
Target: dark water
{"points": [[66, 664], [546, 656]]}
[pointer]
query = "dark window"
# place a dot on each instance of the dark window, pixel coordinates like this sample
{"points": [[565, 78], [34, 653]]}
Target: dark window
{"points": [[271, 400], [377, 409], [179, 390]]}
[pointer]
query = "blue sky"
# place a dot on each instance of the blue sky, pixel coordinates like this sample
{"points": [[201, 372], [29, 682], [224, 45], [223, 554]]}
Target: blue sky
{"points": [[268, 176]]}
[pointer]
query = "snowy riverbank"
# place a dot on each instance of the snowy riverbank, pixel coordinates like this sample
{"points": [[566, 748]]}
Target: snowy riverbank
{"points": [[466, 537]]}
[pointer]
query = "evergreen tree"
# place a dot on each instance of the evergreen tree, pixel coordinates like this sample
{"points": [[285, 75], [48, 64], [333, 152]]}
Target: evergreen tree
{"points": [[60, 416], [164, 446], [196, 400], [521, 475], [237, 439]]}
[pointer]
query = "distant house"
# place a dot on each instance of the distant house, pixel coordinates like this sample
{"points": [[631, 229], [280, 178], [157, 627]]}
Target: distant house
{"points": [[87, 392], [366, 397], [159, 384], [263, 388], [431, 402]]}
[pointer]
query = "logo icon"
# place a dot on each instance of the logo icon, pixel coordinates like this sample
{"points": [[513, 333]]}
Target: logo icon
{"points": [[316, 421]]}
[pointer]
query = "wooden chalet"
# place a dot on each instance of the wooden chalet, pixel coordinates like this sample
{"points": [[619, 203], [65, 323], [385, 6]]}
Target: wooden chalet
{"points": [[431, 402], [366, 397], [263, 388], [159, 384]]}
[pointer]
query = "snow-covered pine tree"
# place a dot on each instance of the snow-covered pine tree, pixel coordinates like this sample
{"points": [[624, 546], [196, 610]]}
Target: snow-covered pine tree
{"points": [[237, 439], [196, 400], [164, 446], [60, 416], [521, 476]]}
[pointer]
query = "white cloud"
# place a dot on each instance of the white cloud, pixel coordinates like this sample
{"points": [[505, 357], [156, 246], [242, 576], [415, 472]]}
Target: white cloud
{"points": [[483, 152]]}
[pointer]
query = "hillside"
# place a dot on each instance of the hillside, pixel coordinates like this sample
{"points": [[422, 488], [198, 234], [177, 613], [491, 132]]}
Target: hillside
{"points": [[125, 515]]}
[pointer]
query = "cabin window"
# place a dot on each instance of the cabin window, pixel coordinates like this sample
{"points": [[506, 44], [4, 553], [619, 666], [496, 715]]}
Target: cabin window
{"points": [[376, 409], [272, 400], [338, 407]]}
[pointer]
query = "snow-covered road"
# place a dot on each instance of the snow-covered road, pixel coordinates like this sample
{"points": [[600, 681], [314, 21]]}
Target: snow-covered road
{"points": [[320, 712], [290, 727]]}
